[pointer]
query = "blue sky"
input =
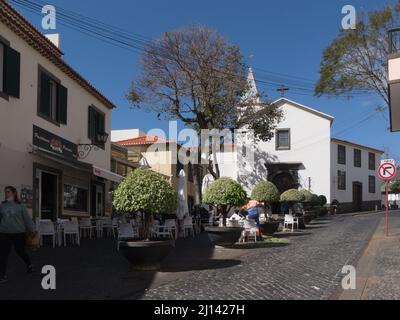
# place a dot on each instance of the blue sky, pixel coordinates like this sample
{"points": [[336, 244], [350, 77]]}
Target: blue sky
{"points": [[285, 37]]}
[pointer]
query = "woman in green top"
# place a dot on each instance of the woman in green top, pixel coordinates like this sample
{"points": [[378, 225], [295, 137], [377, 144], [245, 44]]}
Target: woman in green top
{"points": [[15, 222]]}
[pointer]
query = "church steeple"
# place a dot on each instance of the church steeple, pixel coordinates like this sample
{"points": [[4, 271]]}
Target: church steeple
{"points": [[252, 93]]}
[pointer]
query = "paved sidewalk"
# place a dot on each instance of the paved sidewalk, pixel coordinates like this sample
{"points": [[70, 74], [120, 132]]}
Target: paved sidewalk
{"points": [[378, 270]]}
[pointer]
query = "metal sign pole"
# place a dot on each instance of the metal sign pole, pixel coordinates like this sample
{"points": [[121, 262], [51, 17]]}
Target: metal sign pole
{"points": [[387, 208]]}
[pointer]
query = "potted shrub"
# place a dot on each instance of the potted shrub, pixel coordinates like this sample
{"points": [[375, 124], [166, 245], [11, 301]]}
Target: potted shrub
{"points": [[322, 201], [308, 204], [148, 192], [224, 194], [267, 193], [293, 197]]}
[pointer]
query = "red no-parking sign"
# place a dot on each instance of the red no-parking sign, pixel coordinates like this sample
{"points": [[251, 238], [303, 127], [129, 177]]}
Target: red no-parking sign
{"points": [[387, 171]]}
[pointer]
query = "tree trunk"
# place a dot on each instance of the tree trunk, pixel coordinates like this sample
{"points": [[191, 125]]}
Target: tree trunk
{"points": [[147, 225], [224, 215]]}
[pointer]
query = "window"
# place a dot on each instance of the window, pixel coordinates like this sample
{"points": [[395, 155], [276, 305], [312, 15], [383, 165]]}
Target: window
{"points": [[96, 125], [371, 161], [372, 184], [341, 180], [283, 139], [75, 198], [10, 64], [52, 99], [357, 158], [341, 154]]}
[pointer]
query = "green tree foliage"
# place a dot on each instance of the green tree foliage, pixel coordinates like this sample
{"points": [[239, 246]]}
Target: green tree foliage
{"points": [[146, 191], [394, 187], [292, 196], [265, 191], [308, 197], [225, 193], [356, 61], [322, 200]]}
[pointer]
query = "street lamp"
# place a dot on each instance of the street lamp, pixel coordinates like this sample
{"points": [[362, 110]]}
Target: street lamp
{"points": [[98, 141], [394, 78]]}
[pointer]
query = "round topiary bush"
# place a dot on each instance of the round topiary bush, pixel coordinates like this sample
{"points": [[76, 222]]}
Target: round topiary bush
{"points": [[322, 200], [265, 192], [307, 195], [292, 196], [146, 191], [225, 193], [314, 200]]}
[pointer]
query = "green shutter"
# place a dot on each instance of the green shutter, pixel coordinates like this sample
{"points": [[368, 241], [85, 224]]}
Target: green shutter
{"points": [[62, 103], [12, 71], [91, 123], [44, 107]]}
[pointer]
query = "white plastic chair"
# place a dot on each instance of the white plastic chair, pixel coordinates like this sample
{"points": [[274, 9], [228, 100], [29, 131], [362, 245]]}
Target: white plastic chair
{"points": [[85, 227], [290, 220], [170, 225], [71, 228], [106, 223], [188, 226], [250, 230], [160, 231], [126, 232], [115, 224], [46, 228]]}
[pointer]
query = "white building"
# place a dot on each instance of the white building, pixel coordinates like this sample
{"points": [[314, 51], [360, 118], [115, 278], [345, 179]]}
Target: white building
{"points": [[48, 112], [302, 154]]}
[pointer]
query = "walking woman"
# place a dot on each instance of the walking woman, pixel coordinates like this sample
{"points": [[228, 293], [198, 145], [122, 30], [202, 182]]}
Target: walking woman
{"points": [[15, 222]]}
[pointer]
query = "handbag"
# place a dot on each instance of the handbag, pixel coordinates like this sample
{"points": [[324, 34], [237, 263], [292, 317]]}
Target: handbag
{"points": [[32, 241]]}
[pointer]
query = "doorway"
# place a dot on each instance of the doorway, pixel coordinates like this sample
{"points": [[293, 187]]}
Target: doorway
{"points": [[97, 200], [357, 196], [47, 186]]}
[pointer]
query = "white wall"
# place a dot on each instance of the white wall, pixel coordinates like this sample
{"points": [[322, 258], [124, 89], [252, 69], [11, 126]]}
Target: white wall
{"points": [[310, 145], [121, 135], [354, 174]]}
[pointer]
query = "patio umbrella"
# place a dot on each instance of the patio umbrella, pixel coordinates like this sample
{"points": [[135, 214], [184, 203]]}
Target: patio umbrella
{"points": [[207, 180], [183, 208]]}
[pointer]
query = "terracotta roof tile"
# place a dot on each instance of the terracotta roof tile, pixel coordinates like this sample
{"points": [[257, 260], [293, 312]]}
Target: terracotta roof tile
{"points": [[144, 140]]}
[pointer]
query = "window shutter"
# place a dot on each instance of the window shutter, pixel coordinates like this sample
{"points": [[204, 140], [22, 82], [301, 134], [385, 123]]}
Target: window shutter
{"points": [[44, 107], [91, 123], [12, 70], [62, 103]]}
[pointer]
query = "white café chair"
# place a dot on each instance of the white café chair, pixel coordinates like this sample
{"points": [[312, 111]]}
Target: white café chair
{"points": [[188, 227], [170, 225], [85, 227], [71, 228], [250, 230], [46, 228], [126, 232], [115, 224], [290, 220], [160, 231], [106, 224]]}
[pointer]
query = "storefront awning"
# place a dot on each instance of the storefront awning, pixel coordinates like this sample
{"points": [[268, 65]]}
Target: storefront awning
{"points": [[108, 175], [75, 164]]}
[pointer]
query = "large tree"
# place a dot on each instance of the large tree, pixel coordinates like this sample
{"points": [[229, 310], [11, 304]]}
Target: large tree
{"points": [[194, 75], [356, 61]]}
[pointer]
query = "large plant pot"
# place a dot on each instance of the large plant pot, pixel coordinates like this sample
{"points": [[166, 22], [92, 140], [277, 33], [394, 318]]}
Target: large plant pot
{"points": [[146, 255], [308, 218], [222, 236], [269, 228], [302, 224]]}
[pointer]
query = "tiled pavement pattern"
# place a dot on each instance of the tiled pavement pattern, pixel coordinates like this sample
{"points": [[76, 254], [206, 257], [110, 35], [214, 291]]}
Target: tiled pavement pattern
{"points": [[309, 268]]}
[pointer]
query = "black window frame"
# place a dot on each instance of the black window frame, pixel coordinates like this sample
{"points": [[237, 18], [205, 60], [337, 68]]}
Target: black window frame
{"points": [[357, 158], [11, 71], [341, 156], [61, 99], [341, 184], [85, 204], [371, 161], [372, 188], [277, 146], [95, 114]]}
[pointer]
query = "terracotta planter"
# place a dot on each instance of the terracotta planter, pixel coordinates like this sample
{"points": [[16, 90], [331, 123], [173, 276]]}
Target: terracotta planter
{"points": [[269, 228], [146, 255], [222, 236]]}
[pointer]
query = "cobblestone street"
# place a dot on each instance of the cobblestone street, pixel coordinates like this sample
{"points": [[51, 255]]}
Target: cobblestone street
{"points": [[307, 268]]}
